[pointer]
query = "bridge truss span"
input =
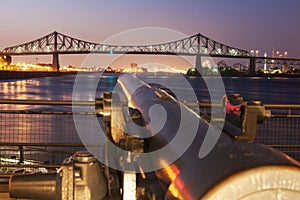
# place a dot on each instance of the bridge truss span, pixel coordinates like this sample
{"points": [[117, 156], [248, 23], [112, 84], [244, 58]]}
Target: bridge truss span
{"points": [[59, 43], [198, 45]]}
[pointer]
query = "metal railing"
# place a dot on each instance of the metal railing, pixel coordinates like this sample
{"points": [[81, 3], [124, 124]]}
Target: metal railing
{"points": [[39, 139], [280, 129]]}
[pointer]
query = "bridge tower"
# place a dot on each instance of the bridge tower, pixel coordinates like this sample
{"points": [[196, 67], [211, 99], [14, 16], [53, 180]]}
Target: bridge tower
{"points": [[252, 66], [198, 61], [198, 64], [55, 60]]}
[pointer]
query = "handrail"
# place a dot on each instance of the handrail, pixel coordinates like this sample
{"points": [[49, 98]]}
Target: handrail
{"points": [[45, 112], [282, 106], [48, 144], [41, 144], [267, 106], [92, 103], [49, 102]]}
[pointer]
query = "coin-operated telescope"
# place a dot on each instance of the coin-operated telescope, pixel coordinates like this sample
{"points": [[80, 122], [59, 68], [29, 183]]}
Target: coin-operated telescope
{"points": [[242, 117], [235, 168]]}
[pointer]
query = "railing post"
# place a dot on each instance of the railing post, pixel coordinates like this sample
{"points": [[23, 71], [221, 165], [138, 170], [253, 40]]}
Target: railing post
{"points": [[21, 154]]}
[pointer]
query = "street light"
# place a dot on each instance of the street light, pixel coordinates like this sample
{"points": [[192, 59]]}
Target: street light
{"points": [[265, 64], [277, 53], [252, 52], [256, 53], [285, 54]]}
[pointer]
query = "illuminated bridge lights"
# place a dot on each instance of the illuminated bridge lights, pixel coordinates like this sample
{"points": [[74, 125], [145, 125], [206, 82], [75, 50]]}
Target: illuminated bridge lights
{"points": [[57, 42]]}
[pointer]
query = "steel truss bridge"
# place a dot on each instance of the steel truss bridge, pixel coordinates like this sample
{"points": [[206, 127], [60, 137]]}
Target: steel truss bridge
{"points": [[197, 45]]}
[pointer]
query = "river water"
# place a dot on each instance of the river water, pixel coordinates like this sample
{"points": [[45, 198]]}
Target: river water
{"points": [[276, 90], [24, 128]]}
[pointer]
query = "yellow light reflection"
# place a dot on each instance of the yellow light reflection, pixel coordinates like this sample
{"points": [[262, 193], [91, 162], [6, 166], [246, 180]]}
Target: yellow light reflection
{"points": [[177, 185], [142, 173], [174, 191], [170, 171], [25, 67]]}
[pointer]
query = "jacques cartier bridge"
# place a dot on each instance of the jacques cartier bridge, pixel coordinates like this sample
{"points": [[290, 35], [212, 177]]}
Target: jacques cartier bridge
{"points": [[197, 45]]}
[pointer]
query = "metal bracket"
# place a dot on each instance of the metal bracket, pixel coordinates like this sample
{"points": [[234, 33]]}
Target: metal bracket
{"points": [[254, 114]]}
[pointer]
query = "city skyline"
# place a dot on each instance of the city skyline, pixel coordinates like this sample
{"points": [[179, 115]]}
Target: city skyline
{"points": [[248, 25]]}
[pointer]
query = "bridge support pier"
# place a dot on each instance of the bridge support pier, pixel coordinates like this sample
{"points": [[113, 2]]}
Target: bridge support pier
{"points": [[55, 62], [252, 66], [198, 64]]}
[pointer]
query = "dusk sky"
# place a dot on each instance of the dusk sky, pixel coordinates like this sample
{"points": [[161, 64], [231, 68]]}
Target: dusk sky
{"points": [[255, 24]]}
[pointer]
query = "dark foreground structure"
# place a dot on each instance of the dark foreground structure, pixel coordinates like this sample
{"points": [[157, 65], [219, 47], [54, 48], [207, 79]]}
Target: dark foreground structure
{"points": [[235, 168]]}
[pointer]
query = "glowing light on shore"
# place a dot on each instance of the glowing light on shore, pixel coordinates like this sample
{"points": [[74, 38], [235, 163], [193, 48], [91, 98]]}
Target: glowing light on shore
{"points": [[24, 67]]}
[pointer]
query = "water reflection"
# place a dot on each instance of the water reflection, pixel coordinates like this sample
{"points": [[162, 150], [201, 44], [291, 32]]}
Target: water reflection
{"points": [[44, 128], [274, 91]]}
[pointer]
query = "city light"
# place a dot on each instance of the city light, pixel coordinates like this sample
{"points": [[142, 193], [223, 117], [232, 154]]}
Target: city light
{"points": [[277, 53], [265, 63], [24, 67], [254, 52], [280, 55]]}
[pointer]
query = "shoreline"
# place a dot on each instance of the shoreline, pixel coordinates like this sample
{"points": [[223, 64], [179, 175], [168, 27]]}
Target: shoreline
{"points": [[8, 75]]}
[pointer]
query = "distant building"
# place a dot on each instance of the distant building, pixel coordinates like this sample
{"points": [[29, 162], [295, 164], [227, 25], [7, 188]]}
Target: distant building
{"points": [[272, 61], [144, 70], [135, 68], [285, 68], [133, 65], [109, 69]]}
